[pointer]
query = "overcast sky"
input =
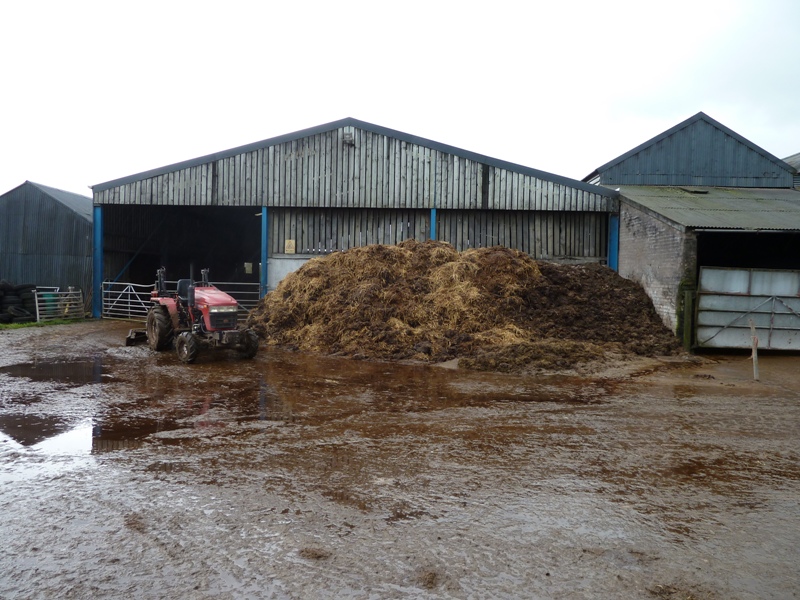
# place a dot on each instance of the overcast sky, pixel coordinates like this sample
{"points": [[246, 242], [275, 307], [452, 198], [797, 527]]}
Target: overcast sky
{"points": [[96, 91]]}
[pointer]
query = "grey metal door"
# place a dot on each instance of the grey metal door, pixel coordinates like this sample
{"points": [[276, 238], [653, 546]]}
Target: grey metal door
{"points": [[729, 300]]}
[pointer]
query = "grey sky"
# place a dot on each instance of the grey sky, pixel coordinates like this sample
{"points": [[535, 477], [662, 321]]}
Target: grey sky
{"points": [[96, 91]]}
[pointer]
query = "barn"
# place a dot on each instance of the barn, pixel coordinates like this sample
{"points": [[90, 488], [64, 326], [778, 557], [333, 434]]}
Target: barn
{"points": [[709, 224], [794, 162], [46, 237], [254, 213]]}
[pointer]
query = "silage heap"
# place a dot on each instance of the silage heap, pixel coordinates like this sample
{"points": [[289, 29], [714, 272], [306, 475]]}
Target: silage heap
{"points": [[493, 308]]}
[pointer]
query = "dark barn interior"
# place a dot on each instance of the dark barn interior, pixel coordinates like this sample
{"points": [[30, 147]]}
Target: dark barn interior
{"points": [[749, 249], [137, 240]]}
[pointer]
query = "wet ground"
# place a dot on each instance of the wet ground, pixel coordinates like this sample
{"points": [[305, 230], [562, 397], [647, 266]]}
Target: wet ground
{"points": [[128, 474]]}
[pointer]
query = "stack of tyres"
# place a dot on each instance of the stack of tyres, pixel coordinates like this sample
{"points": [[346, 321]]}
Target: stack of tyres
{"points": [[4, 316], [27, 293], [18, 303]]}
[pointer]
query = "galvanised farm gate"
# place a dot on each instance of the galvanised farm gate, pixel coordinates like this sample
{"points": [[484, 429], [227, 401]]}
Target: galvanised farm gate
{"points": [[334, 187]]}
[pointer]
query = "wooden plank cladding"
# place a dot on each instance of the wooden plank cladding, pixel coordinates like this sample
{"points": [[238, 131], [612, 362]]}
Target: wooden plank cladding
{"points": [[351, 166], [542, 234], [324, 230]]}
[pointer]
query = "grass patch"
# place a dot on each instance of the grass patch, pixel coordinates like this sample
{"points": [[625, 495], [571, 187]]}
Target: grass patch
{"points": [[39, 324]]}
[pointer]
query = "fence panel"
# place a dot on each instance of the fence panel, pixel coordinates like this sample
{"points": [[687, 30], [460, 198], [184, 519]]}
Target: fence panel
{"points": [[126, 301], [52, 304]]}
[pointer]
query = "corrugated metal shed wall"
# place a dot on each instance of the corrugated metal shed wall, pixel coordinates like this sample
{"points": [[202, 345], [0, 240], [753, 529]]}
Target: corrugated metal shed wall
{"points": [[699, 154], [42, 241], [372, 171]]}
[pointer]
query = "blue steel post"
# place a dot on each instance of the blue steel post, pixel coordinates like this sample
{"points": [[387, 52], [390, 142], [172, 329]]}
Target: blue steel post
{"points": [[613, 242], [97, 263], [264, 252], [433, 223]]}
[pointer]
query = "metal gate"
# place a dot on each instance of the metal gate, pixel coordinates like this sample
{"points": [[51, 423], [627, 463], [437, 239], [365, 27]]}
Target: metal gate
{"points": [[131, 301], [730, 300]]}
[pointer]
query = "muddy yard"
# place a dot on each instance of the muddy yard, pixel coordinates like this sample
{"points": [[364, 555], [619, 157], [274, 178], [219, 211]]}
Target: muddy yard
{"points": [[128, 474]]}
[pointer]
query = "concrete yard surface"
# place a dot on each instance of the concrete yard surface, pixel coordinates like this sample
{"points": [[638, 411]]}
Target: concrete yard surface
{"points": [[127, 474]]}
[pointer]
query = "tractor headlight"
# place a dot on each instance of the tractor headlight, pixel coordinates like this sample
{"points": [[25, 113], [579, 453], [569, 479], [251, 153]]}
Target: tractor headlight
{"points": [[223, 309]]}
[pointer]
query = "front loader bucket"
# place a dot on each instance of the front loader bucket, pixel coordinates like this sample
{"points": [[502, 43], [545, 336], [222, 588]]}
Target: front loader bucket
{"points": [[136, 336]]}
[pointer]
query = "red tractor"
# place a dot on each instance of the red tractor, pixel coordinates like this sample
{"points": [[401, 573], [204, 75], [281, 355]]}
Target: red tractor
{"points": [[196, 314]]}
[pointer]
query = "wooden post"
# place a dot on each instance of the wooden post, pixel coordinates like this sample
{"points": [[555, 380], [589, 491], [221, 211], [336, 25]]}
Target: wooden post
{"points": [[754, 355]]}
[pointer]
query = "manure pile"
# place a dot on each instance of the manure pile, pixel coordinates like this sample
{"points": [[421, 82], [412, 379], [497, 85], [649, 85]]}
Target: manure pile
{"points": [[493, 308]]}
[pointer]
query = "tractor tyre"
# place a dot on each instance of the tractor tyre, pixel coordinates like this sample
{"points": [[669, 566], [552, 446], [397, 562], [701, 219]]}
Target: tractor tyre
{"points": [[187, 347], [159, 329], [250, 348]]}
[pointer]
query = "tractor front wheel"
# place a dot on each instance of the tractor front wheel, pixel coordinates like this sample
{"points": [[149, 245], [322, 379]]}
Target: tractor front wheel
{"points": [[159, 328], [187, 347], [250, 348]]}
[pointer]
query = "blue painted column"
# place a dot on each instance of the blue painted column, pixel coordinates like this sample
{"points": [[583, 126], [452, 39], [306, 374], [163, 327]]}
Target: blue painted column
{"points": [[264, 252], [433, 223], [97, 263], [613, 242]]}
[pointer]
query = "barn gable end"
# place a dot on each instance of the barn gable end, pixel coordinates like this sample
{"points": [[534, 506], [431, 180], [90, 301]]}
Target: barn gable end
{"points": [[697, 152], [46, 237], [349, 183]]}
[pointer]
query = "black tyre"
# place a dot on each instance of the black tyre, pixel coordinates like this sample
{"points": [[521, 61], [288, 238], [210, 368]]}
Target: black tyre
{"points": [[24, 287], [159, 329], [24, 319], [250, 344], [26, 295], [11, 300], [187, 347], [18, 312], [6, 318]]}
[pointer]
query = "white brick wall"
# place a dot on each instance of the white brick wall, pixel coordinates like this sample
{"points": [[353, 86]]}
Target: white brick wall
{"points": [[658, 256]]}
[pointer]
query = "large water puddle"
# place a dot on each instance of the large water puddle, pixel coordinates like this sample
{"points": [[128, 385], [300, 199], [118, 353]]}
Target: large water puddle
{"points": [[79, 372], [85, 407]]}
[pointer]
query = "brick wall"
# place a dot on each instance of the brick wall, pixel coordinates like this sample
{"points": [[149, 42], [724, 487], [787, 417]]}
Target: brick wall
{"points": [[659, 256]]}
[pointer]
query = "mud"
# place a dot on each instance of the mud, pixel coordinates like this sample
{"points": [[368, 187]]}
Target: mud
{"points": [[127, 474]]}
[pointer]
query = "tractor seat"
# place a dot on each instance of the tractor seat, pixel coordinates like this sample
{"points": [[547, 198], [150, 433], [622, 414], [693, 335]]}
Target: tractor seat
{"points": [[183, 289]]}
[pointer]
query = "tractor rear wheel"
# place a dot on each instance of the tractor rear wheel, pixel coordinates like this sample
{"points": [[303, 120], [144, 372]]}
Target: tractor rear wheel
{"points": [[159, 328], [250, 348], [187, 347]]}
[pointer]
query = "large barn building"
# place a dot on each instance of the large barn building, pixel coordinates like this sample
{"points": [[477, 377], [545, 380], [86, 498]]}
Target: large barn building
{"points": [[46, 237], [278, 202], [710, 226]]}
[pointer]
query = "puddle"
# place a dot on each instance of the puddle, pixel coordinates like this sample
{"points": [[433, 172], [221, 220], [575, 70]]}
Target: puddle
{"points": [[29, 430], [68, 449], [70, 372]]}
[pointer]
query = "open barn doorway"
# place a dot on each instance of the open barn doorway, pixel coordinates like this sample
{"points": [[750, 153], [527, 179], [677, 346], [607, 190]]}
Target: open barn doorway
{"points": [[137, 240], [749, 249]]}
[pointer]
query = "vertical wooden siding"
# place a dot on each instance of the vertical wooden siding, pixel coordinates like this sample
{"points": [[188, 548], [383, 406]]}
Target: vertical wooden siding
{"points": [[373, 171], [542, 234], [317, 230]]}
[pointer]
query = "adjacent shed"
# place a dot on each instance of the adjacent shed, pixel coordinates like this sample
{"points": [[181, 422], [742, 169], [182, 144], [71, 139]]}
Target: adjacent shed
{"points": [[700, 204], [794, 162], [46, 237], [278, 202]]}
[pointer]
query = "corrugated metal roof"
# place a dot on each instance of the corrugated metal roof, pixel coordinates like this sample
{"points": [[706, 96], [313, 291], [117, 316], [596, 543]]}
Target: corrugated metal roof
{"points": [[793, 160], [720, 208], [79, 204]]}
